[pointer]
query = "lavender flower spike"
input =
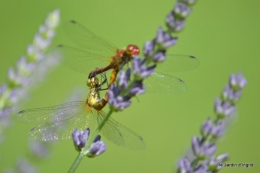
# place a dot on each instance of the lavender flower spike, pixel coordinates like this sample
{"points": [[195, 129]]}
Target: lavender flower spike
{"points": [[155, 51], [233, 90], [20, 77], [201, 159]]}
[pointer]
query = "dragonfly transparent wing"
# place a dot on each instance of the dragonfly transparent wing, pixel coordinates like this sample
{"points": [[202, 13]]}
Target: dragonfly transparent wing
{"points": [[120, 135], [94, 51], [164, 84], [62, 130], [177, 63], [82, 60], [57, 122], [86, 39], [53, 113]]}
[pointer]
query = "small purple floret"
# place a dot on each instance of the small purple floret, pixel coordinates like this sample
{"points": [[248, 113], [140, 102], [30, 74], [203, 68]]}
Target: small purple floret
{"points": [[164, 40], [141, 70], [206, 128], [184, 165], [175, 25], [182, 10], [96, 148], [116, 101], [80, 138]]}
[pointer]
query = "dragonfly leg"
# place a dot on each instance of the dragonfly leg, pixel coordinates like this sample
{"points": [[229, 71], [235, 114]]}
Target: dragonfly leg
{"points": [[100, 70]]}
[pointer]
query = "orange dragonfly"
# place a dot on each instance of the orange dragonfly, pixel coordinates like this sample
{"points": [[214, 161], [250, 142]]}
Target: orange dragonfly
{"points": [[95, 51], [58, 122]]}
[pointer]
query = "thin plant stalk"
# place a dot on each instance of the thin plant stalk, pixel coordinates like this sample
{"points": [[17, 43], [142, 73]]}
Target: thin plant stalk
{"points": [[89, 142]]}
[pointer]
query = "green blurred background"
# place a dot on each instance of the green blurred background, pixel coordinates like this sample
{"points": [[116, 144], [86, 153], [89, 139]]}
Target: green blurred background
{"points": [[223, 35]]}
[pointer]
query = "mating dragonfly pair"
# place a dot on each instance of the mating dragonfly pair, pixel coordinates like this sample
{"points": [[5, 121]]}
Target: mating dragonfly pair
{"points": [[58, 122]]}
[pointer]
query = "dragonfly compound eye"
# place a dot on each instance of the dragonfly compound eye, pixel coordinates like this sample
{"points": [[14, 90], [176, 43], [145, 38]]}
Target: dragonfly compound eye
{"points": [[133, 49], [93, 82]]}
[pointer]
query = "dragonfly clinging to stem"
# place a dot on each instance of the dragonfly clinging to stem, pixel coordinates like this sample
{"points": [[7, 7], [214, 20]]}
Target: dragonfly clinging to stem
{"points": [[95, 51], [58, 122]]}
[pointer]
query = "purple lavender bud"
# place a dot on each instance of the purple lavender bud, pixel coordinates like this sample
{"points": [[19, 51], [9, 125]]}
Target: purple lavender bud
{"points": [[141, 70], [159, 56], [149, 48], [224, 109], [80, 138], [34, 54], [209, 149], [40, 42], [230, 95], [116, 101], [164, 40], [24, 67], [222, 157], [237, 82], [123, 79], [46, 33], [128, 74], [218, 130], [120, 103], [53, 19], [13, 97], [201, 151], [195, 145], [184, 166], [14, 78], [97, 147], [206, 128], [201, 169], [182, 10], [138, 88], [214, 163], [174, 25], [227, 92]]}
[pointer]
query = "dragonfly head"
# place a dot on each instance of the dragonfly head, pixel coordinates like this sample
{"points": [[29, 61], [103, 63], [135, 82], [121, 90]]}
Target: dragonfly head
{"points": [[132, 49], [93, 82]]}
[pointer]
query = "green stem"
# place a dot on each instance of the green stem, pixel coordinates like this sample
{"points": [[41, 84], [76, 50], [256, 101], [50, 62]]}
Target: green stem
{"points": [[89, 142], [76, 163], [100, 126]]}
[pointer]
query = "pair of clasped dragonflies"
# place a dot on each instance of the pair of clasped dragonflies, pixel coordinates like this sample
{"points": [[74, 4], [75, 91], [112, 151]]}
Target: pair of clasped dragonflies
{"points": [[58, 122]]}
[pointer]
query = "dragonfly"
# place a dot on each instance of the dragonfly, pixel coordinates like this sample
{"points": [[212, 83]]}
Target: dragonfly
{"points": [[95, 51], [58, 122]]}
